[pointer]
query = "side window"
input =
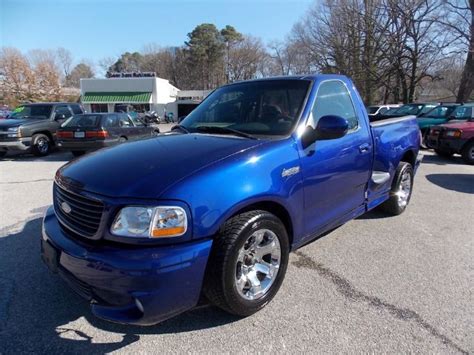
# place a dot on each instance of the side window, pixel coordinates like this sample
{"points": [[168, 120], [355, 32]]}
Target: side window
{"points": [[62, 110], [333, 98], [76, 109], [137, 122], [124, 121], [110, 121]]}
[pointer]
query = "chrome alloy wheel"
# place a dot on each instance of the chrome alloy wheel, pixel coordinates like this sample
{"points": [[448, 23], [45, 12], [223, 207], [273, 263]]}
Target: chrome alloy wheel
{"points": [[404, 189], [257, 264], [471, 153], [43, 145]]}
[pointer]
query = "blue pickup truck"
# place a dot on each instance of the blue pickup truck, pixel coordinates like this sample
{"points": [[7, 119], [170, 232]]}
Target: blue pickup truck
{"points": [[212, 209]]}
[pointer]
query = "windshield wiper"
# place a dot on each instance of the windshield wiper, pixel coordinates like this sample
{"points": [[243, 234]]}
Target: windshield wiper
{"points": [[181, 128], [224, 130]]}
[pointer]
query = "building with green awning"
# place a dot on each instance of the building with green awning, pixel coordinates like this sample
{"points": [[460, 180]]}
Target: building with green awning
{"points": [[136, 93]]}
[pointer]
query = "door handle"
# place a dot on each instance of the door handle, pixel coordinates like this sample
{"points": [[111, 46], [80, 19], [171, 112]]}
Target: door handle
{"points": [[364, 148]]}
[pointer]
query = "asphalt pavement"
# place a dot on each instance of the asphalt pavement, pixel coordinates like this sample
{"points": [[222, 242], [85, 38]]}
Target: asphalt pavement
{"points": [[377, 284]]}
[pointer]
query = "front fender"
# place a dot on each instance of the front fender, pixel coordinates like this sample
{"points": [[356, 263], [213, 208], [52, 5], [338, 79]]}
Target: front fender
{"points": [[254, 176]]}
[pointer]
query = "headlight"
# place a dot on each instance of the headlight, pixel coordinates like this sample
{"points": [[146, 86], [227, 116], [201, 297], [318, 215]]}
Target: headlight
{"points": [[13, 132], [454, 133], [150, 222]]}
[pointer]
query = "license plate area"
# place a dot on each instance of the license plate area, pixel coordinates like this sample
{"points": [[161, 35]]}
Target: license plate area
{"points": [[79, 134]]}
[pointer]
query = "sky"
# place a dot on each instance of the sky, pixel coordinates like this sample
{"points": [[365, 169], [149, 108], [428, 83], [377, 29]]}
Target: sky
{"points": [[106, 28]]}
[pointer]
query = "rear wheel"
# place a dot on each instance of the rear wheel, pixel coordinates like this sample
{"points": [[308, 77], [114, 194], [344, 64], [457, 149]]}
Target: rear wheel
{"points": [[468, 153], [444, 153], [41, 145], [400, 193], [78, 153], [3, 153], [247, 263], [122, 140]]}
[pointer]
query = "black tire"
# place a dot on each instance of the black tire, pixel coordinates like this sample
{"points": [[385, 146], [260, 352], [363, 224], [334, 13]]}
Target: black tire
{"points": [[424, 138], [3, 153], [41, 145], [122, 140], [468, 153], [444, 153], [394, 205], [78, 153], [220, 280]]}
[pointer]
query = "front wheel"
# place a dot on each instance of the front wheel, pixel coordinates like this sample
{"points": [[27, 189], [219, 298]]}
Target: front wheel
{"points": [[248, 263], [401, 191], [41, 145], [3, 153], [468, 153]]}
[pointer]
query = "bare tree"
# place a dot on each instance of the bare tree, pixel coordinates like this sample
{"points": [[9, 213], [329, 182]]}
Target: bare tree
{"points": [[244, 59], [65, 61], [18, 79], [386, 46], [458, 20], [105, 63]]}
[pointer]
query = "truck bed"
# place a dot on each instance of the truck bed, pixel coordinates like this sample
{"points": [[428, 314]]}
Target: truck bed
{"points": [[394, 139]]}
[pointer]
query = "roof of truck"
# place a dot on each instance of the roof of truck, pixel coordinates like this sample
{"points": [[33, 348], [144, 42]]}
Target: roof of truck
{"points": [[311, 77]]}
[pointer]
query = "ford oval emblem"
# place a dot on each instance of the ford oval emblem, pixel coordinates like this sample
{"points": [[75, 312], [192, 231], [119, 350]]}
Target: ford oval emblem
{"points": [[65, 207]]}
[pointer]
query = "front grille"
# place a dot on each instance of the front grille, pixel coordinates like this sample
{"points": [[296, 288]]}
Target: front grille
{"points": [[80, 214]]}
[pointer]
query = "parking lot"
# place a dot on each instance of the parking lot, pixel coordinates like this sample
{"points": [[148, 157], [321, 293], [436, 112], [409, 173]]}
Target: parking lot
{"points": [[376, 284]]}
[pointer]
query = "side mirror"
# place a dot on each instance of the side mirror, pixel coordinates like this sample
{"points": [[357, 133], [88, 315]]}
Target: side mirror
{"points": [[60, 116], [329, 127]]}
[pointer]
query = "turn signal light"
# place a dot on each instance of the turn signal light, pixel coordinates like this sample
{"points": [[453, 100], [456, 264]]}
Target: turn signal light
{"points": [[97, 134], [165, 232], [64, 134]]}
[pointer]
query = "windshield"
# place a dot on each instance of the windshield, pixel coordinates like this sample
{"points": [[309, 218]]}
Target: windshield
{"points": [[462, 113], [33, 111], [257, 108], [408, 110], [82, 121], [439, 112], [372, 109]]}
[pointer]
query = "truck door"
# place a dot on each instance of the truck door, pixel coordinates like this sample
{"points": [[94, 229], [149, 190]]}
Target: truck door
{"points": [[127, 129], [335, 172], [142, 130], [60, 115]]}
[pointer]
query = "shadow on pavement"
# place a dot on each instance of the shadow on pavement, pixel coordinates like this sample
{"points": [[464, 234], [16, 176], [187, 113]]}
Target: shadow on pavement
{"points": [[55, 156], [455, 182], [38, 311], [437, 160], [374, 214]]}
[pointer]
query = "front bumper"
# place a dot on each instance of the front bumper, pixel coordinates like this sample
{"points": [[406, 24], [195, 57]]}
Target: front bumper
{"points": [[133, 285], [16, 144], [453, 145]]}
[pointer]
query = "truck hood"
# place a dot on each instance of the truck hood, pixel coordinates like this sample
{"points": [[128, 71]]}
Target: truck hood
{"points": [[466, 125], [424, 122], [146, 168], [13, 122]]}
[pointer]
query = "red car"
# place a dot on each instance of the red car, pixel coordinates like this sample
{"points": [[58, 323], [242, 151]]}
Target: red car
{"points": [[456, 137]]}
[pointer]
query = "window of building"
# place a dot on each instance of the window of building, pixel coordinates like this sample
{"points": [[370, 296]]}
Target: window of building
{"points": [[99, 108]]}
